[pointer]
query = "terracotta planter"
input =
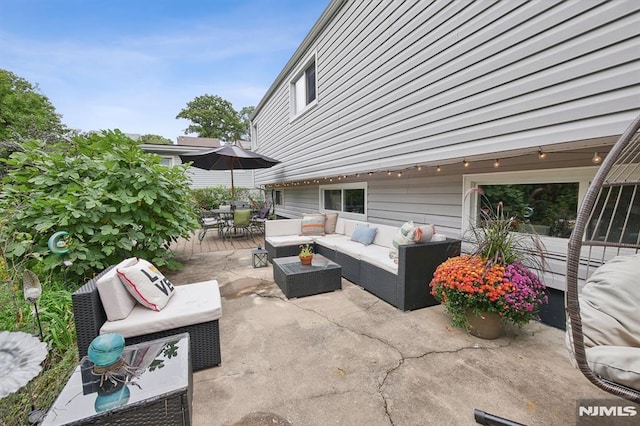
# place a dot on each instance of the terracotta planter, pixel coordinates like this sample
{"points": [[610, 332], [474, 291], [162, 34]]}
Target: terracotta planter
{"points": [[306, 260], [487, 325]]}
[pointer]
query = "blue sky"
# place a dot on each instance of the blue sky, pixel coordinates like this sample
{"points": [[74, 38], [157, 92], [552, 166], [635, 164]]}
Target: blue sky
{"points": [[134, 64]]}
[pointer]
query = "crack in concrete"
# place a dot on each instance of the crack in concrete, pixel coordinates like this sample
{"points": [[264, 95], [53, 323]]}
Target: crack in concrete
{"points": [[402, 358]]}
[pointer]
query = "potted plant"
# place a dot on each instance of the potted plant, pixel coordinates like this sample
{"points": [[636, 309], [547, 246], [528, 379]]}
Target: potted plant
{"points": [[306, 254], [492, 283]]}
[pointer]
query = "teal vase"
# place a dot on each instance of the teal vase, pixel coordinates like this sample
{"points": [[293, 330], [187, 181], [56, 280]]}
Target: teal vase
{"points": [[106, 349]]}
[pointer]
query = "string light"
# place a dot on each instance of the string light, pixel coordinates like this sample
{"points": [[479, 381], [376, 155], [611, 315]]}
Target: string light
{"points": [[596, 158], [370, 173], [465, 163], [438, 169], [399, 174], [388, 172], [541, 154], [496, 163], [419, 168]]}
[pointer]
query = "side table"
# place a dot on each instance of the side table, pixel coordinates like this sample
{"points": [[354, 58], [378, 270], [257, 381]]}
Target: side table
{"points": [[158, 392], [298, 280]]}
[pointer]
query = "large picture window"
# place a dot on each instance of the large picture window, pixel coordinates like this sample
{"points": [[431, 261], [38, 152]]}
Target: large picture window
{"points": [[544, 201], [350, 199]]}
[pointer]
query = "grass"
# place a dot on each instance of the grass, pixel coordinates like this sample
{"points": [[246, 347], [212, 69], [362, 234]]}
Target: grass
{"points": [[56, 316]]}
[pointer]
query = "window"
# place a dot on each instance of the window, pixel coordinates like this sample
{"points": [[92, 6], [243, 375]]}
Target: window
{"points": [[303, 88], [167, 161], [254, 137], [544, 201], [348, 198], [278, 198]]}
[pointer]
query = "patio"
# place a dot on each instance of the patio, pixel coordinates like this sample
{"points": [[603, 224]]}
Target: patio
{"points": [[349, 358]]}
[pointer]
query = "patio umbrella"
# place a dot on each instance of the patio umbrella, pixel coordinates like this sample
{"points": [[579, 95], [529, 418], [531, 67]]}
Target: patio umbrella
{"points": [[228, 157]]}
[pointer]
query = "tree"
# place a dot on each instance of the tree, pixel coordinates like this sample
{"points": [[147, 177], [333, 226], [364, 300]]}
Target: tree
{"points": [[213, 117], [245, 121], [155, 139], [113, 199], [25, 113]]}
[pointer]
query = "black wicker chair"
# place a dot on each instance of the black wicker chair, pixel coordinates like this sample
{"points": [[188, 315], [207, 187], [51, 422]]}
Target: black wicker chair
{"points": [[89, 316], [607, 225]]}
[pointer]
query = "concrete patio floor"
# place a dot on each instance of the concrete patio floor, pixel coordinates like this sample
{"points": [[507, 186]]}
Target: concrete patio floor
{"points": [[348, 358]]}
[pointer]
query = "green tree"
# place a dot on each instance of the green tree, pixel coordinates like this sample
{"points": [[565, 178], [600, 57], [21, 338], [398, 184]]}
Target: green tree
{"points": [[114, 200], [25, 113], [212, 117], [155, 139], [245, 122]]}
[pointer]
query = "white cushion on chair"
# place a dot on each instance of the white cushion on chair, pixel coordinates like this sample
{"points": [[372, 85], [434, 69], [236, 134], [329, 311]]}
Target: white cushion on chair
{"points": [[116, 299], [191, 304], [616, 363]]}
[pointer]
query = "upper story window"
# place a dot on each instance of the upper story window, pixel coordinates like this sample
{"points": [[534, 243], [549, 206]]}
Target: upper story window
{"points": [[303, 88]]}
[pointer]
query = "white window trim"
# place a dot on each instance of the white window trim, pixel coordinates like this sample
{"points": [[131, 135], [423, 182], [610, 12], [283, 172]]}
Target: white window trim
{"points": [[581, 175], [312, 58], [172, 160], [346, 215]]}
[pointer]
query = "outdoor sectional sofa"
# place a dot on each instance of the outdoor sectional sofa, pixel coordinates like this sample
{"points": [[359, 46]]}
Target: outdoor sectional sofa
{"points": [[404, 284]]}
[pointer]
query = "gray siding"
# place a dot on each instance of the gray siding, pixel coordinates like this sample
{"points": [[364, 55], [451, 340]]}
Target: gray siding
{"points": [[402, 83]]}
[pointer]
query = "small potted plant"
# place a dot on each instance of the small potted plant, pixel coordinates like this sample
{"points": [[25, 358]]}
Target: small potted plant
{"points": [[306, 254]]}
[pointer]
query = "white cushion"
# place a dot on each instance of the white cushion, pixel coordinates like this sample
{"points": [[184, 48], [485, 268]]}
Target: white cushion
{"points": [[274, 228], [384, 236], [609, 304], [340, 225], [350, 226], [379, 256], [191, 304], [616, 363], [146, 284], [289, 240], [331, 240], [351, 248], [116, 299]]}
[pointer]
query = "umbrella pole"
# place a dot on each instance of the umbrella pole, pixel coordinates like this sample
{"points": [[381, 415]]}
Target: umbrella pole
{"points": [[233, 190]]}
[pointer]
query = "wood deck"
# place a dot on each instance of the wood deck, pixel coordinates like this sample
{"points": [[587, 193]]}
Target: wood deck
{"points": [[212, 243]]}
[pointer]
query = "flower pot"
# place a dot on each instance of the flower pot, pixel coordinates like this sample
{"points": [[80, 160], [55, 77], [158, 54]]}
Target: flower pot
{"points": [[306, 260], [486, 325]]}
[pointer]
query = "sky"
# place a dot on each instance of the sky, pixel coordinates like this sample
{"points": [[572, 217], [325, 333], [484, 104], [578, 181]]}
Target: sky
{"points": [[134, 64]]}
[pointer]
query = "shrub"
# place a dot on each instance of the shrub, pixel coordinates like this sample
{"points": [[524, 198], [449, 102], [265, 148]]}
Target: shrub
{"points": [[113, 199]]}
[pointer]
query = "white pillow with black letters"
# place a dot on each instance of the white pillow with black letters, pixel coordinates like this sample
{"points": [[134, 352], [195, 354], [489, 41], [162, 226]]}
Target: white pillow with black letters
{"points": [[146, 284]]}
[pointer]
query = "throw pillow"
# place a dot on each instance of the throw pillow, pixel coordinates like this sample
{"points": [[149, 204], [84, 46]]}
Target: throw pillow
{"points": [[330, 222], [313, 224], [364, 234], [407, 234], [116, 299], [147, 284], [427, 232]]}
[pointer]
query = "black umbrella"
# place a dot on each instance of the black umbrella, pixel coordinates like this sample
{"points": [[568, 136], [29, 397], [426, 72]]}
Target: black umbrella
{"points": [[228, 157]]}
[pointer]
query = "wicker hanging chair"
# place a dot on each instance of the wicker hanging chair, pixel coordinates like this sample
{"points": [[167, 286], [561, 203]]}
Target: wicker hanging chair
{"points": [[607, 229]]}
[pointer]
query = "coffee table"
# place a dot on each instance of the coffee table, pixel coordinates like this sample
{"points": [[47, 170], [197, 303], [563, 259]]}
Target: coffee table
{"points": [[158, 393], [298, 280]]}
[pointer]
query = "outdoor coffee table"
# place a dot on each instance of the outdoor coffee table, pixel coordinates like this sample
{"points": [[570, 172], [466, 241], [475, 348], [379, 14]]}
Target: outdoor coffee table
{"points": [[298, 280], [159, 393]]}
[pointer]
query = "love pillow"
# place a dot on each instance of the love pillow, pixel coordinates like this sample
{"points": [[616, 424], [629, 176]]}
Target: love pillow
{"points": [[146, 284]]}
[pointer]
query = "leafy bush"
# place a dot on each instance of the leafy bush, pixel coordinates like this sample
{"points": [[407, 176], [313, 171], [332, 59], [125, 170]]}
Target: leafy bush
{"points": [[114, 200]]}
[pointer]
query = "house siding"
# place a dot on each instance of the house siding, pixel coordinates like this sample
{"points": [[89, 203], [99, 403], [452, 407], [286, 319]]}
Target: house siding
{"points": [[402, 83]]}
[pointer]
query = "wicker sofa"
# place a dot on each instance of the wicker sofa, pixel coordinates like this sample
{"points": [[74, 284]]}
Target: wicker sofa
{"points": [[403, 284], [91, 320]]}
